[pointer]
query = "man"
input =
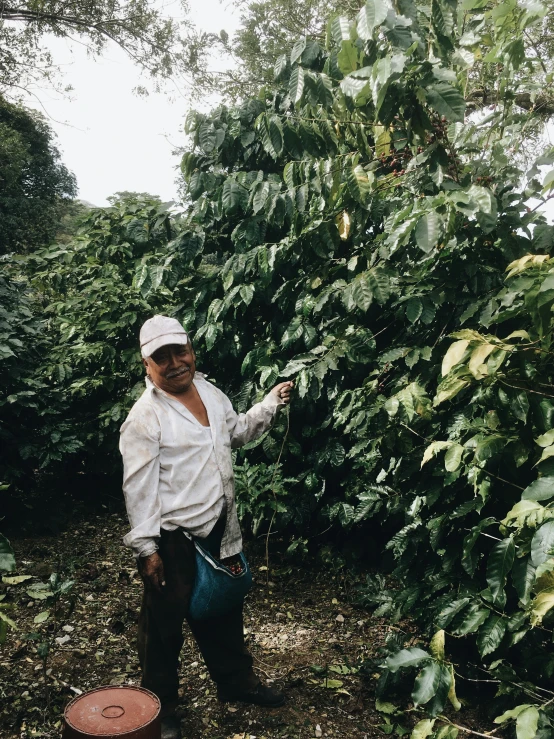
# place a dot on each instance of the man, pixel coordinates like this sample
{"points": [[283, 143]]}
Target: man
{"points": [[178, 477]]}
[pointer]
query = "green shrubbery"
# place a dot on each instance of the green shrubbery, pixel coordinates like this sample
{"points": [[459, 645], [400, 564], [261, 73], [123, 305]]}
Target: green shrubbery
{"points": [[354, 229]]}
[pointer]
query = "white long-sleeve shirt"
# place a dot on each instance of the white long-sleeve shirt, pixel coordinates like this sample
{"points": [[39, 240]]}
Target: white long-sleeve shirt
{"points": [[177, 473]]}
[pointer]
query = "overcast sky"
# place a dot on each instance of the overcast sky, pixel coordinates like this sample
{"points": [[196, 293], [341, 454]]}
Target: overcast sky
{"points": [[110, 138], [114, 140]]}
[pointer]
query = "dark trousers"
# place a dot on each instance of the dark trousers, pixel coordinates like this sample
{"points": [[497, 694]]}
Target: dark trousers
{"points": [[160, 630]]}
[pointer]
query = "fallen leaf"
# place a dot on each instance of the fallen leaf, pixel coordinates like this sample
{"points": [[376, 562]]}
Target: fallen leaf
{"points": [[332, 684], [16, 579]]}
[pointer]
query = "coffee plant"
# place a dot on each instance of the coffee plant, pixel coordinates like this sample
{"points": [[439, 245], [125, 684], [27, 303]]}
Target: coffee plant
{"points": [[363, 227]]}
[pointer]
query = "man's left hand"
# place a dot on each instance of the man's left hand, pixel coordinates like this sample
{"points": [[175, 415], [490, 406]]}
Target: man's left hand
{"points": [[283, 391]]}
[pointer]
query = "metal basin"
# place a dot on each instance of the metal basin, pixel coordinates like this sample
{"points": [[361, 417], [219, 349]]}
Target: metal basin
{"points": [[113, 712]]}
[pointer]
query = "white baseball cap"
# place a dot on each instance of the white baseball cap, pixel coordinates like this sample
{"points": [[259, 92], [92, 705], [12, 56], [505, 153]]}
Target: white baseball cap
{"points": [[160, 331]]}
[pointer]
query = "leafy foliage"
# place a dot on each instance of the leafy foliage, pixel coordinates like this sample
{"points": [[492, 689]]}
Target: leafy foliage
{"points": [[35, 185], [366, 245], [150, 38], [354, 229]]}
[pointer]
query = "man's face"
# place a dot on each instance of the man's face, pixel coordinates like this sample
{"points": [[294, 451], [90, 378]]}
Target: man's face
{"points": [[172, 367]]}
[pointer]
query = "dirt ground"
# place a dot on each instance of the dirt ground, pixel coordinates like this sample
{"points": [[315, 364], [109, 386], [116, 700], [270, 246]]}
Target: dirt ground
{"points": [[304, 635]]}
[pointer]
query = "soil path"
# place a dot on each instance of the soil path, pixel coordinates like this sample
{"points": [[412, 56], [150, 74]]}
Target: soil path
{"points": [[301, 629]]}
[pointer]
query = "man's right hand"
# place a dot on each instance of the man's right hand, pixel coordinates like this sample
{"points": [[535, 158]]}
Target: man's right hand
{"points": [[152, 572]]}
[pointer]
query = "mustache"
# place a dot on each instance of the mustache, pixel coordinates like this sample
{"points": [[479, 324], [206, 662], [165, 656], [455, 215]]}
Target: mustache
{"points": [[177, 373]]}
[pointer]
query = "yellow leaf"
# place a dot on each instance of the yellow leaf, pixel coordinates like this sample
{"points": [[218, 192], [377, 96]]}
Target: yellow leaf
{"points": [[436, 645], [478, 357], [546, 453], [343, 223], [541, 605], [544, 576], [16, 579], [529, 260], [453, 356], [433, 449], [452, 697], [519, 513]]}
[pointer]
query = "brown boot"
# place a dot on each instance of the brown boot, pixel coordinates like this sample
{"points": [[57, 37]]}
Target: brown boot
{"points": [[261, 695]]}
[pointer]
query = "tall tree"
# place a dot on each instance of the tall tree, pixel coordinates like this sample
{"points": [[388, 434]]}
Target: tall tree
{"points": [[35, 186], [141, 29]]}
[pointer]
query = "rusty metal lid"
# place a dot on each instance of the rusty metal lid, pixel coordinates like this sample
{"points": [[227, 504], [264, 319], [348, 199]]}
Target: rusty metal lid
{"points": [[112, 711]]}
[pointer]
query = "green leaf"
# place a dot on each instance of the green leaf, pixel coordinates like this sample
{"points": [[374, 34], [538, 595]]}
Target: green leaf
{"points": [[348, 57], [541, 489], [442, 17], [469, 558], [7, 558], [384, 707], [447, 732], [196, 185], [297, 49], [427, 231], [260, 195], [453, 457], [380, 285], [448, 612], [542, 544], [280, 68], [414, 309], [490, 634], [296, 84], [520, 407], [449, 388], [406, 658], [489, 447], [511, 714], [423, 729], [138, 230], [370, 16], [427, 683], [271, 130], [473, 619], [446, 100], [499, 565], [233, 195], [523, 578], [360, 291], [359, 183], [40, 591], [276, 134], [247, 293], [437, 702], [7, 620], [340, 28], [41, 617], [207, 137], [352, 86], [527, 723]]}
